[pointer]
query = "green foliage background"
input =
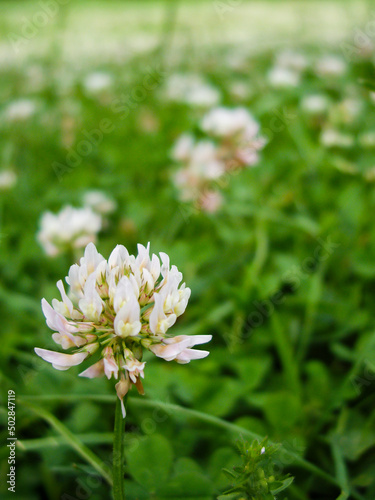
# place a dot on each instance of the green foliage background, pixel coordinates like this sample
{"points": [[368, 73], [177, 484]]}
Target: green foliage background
{"points": [[283, 276]]}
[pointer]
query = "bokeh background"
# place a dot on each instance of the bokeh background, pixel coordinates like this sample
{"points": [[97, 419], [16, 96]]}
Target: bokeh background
{"points": [[282, 274]]}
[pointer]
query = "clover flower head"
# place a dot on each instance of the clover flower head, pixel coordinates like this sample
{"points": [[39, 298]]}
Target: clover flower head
{"points": [[292, 60], [281, 77], [331, 65], [192, 89], [224, 122], [117, 308], [71, 228], [99, 201], [233, 144], [8, 179], [315, 104], [97, 82], [238, 135], [20, 110]]}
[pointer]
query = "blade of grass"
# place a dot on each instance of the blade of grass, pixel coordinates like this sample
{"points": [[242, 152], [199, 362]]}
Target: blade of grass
{"points": [[311, 308], [286, 354], [341, 471], [74, 442], [54, 442]]}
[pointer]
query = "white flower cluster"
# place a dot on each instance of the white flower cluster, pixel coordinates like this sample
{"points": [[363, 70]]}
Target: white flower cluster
{"points": [[100, 202], [71, 228], [287, 69], [20, 110], [117, 308], [234, 144], [97, 82], [8, 179], [191, 89]]}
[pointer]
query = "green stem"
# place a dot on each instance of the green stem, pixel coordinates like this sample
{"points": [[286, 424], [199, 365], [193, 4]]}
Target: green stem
{"points": [[118, 446]]}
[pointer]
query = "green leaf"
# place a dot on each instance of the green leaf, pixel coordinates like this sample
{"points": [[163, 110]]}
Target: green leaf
{"points": [[284, 484], [150, 462], [186, 464], [187, 486]]}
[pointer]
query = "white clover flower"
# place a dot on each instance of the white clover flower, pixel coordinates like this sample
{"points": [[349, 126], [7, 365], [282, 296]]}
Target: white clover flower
{"points": [[100, 202], [330, 66], [334, 138], [97, 82], [235, 144], [315, 104], [71, 228], [225, 122], [280, 77], [8, 179], [202, 165], [118, 308], [239, 133], [241, 90], [20, 110], [191, 89], [292, 60]]}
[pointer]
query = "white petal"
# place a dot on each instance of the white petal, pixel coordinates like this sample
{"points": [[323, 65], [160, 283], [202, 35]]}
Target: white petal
{"points": [[60, 359], [189, 354]]}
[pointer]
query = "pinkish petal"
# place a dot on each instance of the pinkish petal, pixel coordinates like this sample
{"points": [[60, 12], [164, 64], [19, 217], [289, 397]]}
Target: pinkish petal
{"points": [[61, 359], [95, 370]]}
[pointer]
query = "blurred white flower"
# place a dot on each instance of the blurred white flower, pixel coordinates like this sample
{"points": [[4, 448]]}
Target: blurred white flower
{"points": [[8, 179], [330, 66], [182, 150], [99, 201], [315, 104], [97, 82], [241, 90], [224, 122], [69, 229], [281, 77], [204, 162], [239, 133], [334, 138], [201, 165], [292, 60], [20, 110], [120, 307], [367, 139], [191, 89]]}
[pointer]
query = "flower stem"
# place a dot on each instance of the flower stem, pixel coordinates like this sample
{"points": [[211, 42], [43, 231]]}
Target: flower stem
{"points": [[118, 438]]}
